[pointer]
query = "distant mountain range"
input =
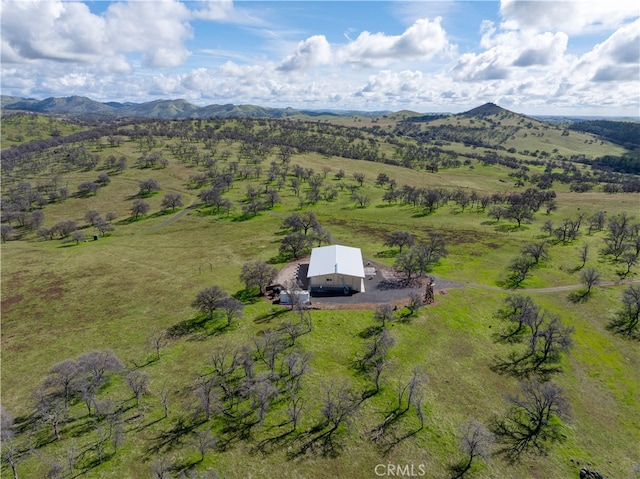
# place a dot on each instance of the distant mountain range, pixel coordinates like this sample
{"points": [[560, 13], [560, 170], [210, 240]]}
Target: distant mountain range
{"points": [[179, 109], [161, 109]]}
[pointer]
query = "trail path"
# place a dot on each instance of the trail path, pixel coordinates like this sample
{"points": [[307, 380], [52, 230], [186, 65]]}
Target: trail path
{"points": [[173, 218], [549, 289]]}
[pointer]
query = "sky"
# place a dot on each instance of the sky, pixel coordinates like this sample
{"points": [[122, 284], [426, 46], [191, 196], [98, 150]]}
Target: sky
{"points": [[534, 57]]}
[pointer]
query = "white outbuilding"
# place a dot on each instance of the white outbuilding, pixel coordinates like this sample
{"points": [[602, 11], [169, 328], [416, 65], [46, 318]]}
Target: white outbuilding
{"points": [[336, 270]]}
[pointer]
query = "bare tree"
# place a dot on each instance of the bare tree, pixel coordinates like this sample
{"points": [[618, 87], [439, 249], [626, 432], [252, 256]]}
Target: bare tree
{"points": [[11, 456], [339, 407], [537, 251], [158, 340], [261, 393], [544, 336], [6, 425], [78, 236], [160, 468], [6, 232], [520, 213], [232, 308], [295, 244], [103, 226], [416, 301], [476, 442], [627, 319], [520, 267], [203, 390], [172, 200], [268, 347], [62, 377], [533, 423], [138, 383], [139, 207], [164, 399], [304, 221], [103, 436], [400, 239], [361, 199], [630, 259], [258, 274], [148, 186], [597, 221], [359, 177], [208, 300], [590, 277], [94, 365], [294, 410], [88, 187], [204, 441], [71, 456], [407, 263], [584, 254], [292, 330], [91, 216], [293, 368], [384, 314], [50, 410]]}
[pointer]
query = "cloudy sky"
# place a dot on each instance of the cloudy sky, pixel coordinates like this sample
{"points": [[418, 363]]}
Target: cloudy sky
{"points": [[536, 57]]}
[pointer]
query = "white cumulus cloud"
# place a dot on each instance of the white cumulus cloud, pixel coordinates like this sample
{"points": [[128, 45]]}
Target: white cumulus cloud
{"points": [[615, 59], [422, 40], [569, 16], [69, 31], [310, 53]]}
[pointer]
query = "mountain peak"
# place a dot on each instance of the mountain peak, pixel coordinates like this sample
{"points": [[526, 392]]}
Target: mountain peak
{"points": [[486, 110]]}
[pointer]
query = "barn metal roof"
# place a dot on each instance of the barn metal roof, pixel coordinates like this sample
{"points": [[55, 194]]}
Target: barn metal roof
{"points": [[336, 259]]}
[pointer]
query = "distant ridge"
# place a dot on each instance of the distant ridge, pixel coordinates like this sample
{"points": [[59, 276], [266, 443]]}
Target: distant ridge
{"points": [[161, 109]]}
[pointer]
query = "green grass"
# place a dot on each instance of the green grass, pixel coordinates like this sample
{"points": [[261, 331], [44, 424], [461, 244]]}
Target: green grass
{"points": [[58, 302]]}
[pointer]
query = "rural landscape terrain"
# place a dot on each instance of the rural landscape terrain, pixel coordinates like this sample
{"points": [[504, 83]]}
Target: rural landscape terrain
{"points": [[140, 338]]}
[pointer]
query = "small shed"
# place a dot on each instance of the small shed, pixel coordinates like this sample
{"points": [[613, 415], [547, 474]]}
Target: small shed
{"points": [[336, 269]]}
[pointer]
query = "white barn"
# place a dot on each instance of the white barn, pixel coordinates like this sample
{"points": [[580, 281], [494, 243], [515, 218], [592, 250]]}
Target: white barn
{"points": [[336, 269]]}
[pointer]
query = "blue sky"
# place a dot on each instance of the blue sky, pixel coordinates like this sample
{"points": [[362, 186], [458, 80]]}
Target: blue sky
{"points": [[534, 57]]}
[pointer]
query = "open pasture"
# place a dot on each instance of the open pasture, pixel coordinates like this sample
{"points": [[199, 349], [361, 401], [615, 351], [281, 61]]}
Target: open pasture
{"points": [[61, 299]]}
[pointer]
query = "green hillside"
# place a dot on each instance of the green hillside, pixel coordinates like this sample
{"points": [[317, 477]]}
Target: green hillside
{"points": [[299, 400]]}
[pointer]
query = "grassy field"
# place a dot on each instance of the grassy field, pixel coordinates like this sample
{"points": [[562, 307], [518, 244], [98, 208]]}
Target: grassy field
{"points": [[60, 300]]}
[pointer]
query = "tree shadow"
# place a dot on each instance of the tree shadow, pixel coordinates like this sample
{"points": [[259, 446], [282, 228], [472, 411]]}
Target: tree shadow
{"points": [[188, 326], [580, 296], [508, 228], [276, 443], [280, 258], [524, 367], [324, 444], [370, 331], [157, 214], [166, 441], [130, 220], [247, 296], [97, 462], [396, 440], [200, 324], [390, 253], [510, 283], [270, 316]]}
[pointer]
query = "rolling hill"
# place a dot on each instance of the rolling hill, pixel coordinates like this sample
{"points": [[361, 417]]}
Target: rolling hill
{"points": [[295, 393], [159, 109]]}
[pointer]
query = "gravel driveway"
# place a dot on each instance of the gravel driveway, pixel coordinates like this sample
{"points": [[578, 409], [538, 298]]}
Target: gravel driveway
{"points": [[382, 288]]}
